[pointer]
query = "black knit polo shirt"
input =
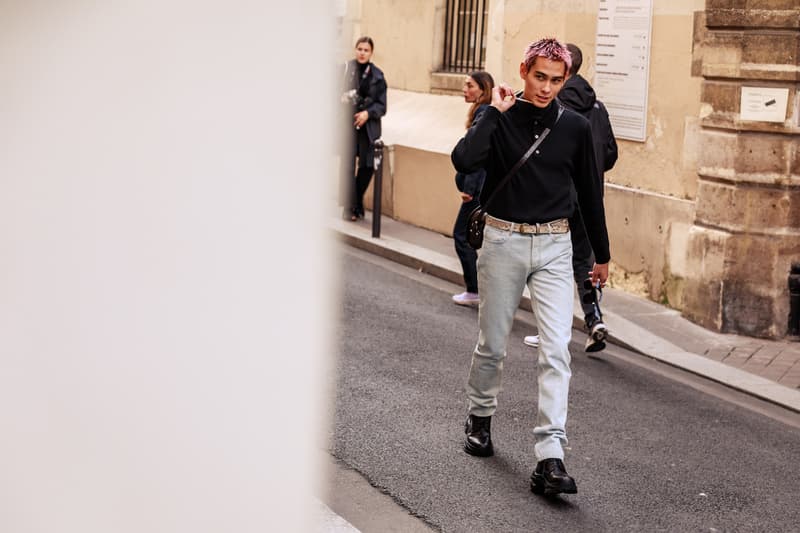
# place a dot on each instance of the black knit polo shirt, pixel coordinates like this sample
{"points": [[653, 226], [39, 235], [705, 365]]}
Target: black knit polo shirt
{"points": [[544, 188]]}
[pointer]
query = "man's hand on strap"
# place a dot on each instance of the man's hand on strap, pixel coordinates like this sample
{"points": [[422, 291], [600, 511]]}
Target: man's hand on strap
{"points": [[503, 97]]}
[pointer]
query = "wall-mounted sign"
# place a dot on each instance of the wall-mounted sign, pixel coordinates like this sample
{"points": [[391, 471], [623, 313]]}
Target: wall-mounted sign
{"points": [[764, 104], [622, 66]]}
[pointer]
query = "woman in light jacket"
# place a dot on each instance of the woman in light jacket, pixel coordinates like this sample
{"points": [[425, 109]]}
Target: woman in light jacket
{"points": [[477, 91]]}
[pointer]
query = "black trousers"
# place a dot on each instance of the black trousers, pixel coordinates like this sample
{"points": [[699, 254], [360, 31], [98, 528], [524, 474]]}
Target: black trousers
{"points": [[466, 254], [582, 258], [353, 185], [363, 177]]}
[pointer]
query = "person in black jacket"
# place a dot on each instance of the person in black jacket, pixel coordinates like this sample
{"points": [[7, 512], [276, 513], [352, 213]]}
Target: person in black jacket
{"points": [[526, 241], [365, 97], [579, 96], [477, 90]]}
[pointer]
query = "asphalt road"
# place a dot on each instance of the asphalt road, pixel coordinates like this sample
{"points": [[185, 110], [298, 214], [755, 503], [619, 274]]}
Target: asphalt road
{"points": [[649, 453]]}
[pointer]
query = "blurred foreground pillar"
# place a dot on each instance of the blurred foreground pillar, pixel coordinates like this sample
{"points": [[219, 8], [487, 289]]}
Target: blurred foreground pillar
{"points": [[164, 320]]}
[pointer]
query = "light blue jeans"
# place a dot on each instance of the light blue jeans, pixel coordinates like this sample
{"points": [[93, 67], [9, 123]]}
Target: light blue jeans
{"points": [[506, 263]]}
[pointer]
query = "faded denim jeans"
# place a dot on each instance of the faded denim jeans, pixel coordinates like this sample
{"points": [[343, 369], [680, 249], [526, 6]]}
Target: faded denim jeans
{"points": [[506, 263]]}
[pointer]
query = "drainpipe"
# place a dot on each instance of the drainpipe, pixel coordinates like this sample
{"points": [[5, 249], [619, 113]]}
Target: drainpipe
{"points": [[794, 302]]}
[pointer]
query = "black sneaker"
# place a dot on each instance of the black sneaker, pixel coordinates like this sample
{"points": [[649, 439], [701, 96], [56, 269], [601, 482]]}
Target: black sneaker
{"points": [[598, 332]]}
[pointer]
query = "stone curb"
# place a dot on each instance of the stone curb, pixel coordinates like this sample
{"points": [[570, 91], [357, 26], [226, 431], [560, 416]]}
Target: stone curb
{"points": [[624, 333]]}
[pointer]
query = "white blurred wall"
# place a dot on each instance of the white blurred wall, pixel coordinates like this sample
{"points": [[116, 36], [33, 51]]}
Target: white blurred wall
{"points": [[164, 310]]}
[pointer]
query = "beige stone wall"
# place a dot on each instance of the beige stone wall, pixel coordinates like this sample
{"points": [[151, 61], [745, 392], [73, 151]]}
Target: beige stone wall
{"points": [[649, 238], [404, 32], [746, 232], [424, 189], [418, 187]]}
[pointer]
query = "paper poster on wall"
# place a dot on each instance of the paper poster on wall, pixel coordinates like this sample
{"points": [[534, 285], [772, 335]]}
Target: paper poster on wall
{"points": [[764, 104], [622, 65]]}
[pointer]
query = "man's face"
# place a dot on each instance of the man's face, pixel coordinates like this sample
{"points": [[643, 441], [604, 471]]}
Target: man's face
{"points": [[543, 80]]}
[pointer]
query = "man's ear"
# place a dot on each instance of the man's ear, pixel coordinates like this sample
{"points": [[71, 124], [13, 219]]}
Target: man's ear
{"points": [[523, 70]]}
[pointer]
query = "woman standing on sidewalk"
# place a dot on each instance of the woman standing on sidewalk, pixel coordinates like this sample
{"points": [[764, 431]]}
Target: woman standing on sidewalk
{"points": [[478, 92], [365, 95]]}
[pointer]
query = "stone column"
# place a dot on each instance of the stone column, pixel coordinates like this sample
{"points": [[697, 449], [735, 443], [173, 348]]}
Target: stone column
{"points": [[746, 231], [495, 39]]}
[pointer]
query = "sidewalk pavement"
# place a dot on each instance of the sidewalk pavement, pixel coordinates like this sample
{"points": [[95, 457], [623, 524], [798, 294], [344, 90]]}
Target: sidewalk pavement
{"points": [[766, 369]]}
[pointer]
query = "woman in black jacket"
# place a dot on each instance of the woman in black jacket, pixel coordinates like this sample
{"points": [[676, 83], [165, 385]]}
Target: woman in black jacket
{"points": [[478, 92], [365, 95]]}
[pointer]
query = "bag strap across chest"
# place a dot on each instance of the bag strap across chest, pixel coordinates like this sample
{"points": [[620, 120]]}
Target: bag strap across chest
{"points": [[522, 160]]}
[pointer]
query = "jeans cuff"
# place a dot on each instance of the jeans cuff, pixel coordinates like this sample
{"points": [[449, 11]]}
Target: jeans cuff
{"points": [[548, 450]]}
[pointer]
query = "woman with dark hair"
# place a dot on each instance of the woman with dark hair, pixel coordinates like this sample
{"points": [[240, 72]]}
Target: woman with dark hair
{"points": [[365, 95], [477, 91]]}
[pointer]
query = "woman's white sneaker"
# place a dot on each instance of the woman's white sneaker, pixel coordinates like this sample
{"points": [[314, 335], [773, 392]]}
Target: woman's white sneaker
{"points": [[470, 299], [531, 340]]}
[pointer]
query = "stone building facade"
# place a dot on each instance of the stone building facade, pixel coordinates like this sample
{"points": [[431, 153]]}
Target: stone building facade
{"points": [[703, 215], [746, 230]]}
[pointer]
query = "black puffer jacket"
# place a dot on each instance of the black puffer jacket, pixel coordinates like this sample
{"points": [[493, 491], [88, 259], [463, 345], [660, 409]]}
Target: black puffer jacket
{"points": [[579, 96]]}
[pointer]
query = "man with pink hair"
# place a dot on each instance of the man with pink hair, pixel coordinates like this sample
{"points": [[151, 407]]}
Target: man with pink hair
{"points": [[527, 241]]}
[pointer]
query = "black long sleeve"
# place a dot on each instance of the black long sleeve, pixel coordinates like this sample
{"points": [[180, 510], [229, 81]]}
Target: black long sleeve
{"points": [[542, 190]]}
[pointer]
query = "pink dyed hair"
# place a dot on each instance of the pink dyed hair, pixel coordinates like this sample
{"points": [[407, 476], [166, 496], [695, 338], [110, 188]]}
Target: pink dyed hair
{"points": [[548, 48]]}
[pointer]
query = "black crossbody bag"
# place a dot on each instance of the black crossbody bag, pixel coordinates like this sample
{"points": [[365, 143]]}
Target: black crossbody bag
{"points": [[477, 218]]}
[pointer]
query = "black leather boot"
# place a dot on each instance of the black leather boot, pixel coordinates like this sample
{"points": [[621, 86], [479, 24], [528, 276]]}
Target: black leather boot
{"points": [[550, 477], [479, 436]]}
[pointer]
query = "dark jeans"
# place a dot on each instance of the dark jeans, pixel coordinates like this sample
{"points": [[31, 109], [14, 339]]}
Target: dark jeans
{"points": [[582, 258], [466, 254]]}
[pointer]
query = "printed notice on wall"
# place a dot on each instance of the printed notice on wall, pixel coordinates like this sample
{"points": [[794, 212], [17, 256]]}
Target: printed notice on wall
{"points": [[764, 104], [622, 66]]}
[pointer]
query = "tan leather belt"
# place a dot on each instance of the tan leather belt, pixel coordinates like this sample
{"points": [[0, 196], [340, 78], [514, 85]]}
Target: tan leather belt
{"points": [[554, 226]]}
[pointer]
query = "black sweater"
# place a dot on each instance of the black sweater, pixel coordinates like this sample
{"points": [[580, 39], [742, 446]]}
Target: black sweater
{"points": [[542, 190]]}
